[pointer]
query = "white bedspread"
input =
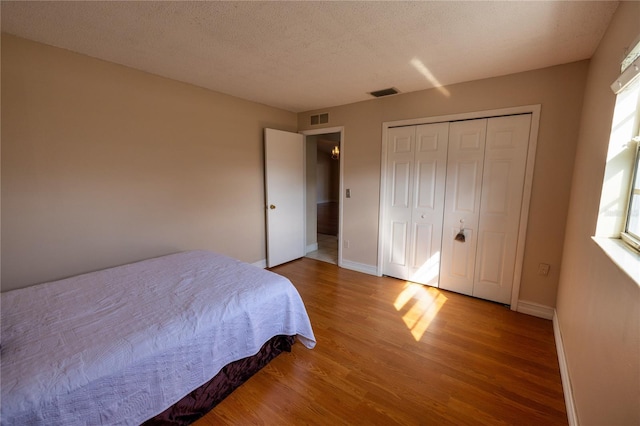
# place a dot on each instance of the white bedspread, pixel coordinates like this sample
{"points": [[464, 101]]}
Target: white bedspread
{"points": [[121, 345]]}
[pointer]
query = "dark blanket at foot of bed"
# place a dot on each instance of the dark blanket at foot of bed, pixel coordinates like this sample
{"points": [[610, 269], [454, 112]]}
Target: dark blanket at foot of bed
{"points": [[201, 400]]}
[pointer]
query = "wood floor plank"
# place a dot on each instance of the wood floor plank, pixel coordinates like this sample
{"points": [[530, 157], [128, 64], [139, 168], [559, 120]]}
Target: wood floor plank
{"points": [[391, 352]]}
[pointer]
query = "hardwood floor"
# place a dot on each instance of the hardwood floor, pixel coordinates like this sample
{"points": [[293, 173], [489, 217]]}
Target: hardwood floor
{"points": [[391, 352]]}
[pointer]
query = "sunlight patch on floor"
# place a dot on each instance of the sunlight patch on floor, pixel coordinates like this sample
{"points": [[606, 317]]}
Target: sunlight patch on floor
{"points": [[429, 272], [420, 305]]}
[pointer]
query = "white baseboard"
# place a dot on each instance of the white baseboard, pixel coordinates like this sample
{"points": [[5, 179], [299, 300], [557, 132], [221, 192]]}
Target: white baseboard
{"points": [[535, 309], [572, 415], [359, 267], [312, 247], [260, 263]]}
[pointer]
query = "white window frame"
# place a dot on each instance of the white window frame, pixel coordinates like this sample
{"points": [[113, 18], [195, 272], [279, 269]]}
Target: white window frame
{"points": [[613, 215], [630, 238]]}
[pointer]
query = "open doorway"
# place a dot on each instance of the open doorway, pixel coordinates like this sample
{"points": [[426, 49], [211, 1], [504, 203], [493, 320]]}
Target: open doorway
{"points": [[323, 196]]}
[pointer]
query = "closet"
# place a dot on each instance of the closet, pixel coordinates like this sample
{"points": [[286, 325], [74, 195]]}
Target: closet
{"points": [[452, 203]]}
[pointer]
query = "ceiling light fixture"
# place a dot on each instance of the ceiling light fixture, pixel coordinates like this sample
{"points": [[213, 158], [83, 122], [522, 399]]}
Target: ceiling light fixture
{"points": [[335, 153]]}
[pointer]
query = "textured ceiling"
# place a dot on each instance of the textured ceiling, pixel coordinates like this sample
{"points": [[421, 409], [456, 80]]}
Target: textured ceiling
{"points": [[308, 55]]}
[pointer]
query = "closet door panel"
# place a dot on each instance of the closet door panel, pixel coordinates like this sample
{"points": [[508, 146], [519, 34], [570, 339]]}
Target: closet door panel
{"points": [[490, 265], [503, 181], [428, 209], [399, 201], [463, 193], [426, 184], [425, 261], [466, 190], [398, 252], [461, 259], [401, 184]]}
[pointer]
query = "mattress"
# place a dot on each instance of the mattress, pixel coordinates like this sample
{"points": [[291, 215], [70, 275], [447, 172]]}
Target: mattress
{"points": [[201, 400], [120, 345]]}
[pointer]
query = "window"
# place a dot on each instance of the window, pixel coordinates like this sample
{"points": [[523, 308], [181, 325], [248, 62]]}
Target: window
{"points": [[631, 233], [619, 172], [624, 148], [618, 226]]}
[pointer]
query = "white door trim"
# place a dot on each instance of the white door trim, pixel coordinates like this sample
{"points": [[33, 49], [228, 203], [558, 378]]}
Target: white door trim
{"points": [[534, 110], [324, 131]]}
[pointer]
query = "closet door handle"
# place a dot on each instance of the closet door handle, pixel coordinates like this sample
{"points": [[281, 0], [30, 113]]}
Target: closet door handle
{"points": [[460, 235]]}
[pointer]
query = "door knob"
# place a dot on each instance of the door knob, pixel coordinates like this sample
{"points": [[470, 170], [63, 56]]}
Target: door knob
{"points": [[272, 207]]}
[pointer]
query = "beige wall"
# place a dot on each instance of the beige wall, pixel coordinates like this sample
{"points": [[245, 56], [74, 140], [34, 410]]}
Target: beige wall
{"points": [[598, 305], [328, 178], [559, 90], [104, 165]]}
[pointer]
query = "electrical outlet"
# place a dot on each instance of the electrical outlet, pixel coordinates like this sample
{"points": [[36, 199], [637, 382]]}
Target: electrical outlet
{"points": [[543, 269]]}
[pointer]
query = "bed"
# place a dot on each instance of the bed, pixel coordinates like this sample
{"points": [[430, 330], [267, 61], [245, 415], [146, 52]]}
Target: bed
{"points": [[124, 345]]}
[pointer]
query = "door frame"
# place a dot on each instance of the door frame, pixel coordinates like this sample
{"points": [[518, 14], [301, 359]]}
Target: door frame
{"points": [[324, 131], [534, 110]]}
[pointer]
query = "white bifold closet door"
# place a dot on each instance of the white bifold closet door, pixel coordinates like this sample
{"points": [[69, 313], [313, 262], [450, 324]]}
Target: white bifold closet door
{"points": [[473, 183], [415, 171], [485, 183], [505, 161], [462, 204]]}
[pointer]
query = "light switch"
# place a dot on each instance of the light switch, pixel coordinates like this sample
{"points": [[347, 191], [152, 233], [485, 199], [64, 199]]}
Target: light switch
{"points": [[348, 193]]}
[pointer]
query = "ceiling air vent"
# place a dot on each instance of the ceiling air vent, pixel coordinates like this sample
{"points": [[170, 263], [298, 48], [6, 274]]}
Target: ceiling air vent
{"points": [[384, 92], [320, 118]]}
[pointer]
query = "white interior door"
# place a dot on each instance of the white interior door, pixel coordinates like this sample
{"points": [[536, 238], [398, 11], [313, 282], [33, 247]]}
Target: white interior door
{"points": [[416, 167], [502, 192], [462, 204], [284, 195]]}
